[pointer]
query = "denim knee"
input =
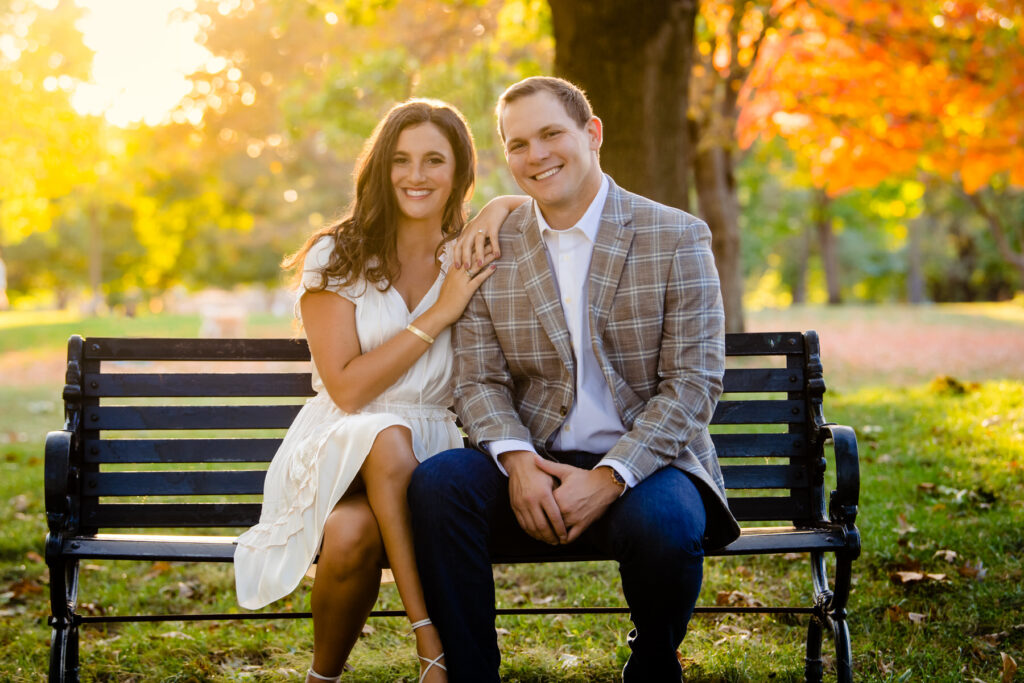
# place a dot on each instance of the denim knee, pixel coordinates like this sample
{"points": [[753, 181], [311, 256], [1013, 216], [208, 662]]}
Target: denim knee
{"points": [[661, 521]]}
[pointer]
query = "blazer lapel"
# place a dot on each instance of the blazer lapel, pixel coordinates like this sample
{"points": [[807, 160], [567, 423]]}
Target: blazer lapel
{"points": [[614, 237], [539, 284]]}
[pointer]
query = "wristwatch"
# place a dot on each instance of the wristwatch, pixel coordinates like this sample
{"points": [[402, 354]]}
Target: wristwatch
{"points": [[616, 477]]}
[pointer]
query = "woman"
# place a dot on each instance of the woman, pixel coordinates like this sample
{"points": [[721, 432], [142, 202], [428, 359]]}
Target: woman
{"points": [[376, 299]]}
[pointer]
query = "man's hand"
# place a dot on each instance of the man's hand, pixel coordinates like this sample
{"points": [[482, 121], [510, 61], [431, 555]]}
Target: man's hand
{"points": [[582, 496], [531, 492]]}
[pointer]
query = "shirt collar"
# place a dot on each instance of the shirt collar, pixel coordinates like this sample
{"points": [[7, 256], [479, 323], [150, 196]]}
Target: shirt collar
{"points": [[591, 219]]}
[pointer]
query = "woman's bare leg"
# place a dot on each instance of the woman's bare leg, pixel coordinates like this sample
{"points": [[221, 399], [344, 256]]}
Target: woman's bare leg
{"points": [[347, 581], [386, 474]]}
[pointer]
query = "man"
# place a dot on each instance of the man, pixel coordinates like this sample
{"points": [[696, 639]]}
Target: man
{"points": [[598, 344]]}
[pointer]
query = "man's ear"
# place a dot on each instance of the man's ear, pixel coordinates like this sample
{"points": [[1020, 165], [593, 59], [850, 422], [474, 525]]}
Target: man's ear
{"points": [[595, 131]]}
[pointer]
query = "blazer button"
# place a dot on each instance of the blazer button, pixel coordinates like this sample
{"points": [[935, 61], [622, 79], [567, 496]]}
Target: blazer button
{"points": [[563, 411]]}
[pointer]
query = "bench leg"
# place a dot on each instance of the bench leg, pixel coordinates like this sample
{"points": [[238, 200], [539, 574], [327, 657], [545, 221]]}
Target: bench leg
{"points": [[813, 667], [64, 642], [830, 613], [837, 612]]}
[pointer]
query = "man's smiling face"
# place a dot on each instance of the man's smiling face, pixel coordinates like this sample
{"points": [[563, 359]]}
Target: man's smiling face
{"points": [[551, 157]]}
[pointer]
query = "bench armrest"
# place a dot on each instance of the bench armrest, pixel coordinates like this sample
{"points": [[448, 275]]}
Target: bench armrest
{"points": [[57, 480], [843, 501]]}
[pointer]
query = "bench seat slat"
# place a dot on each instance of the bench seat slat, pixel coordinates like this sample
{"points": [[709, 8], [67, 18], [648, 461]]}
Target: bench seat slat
{"points": [[190, 417], [168, 515], [763, 379], [108, 348], [196, 384], [758, 412], [195, 483], [759, 445], [130, 451], [774, 540]]}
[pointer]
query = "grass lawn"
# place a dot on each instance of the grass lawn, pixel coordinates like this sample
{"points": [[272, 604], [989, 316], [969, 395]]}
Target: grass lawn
{"points": [[938, 594]]}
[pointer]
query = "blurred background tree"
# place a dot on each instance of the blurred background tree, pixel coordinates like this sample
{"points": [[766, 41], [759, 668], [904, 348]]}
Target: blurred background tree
{"points": [[840, 150]]}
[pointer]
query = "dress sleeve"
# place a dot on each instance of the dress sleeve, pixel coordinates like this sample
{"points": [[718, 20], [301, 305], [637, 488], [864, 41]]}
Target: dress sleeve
{"points": [[313, 275]]}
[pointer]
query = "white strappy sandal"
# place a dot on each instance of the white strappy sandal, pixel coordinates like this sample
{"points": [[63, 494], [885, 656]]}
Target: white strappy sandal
{"points": [[329, 679], [431, 663]]}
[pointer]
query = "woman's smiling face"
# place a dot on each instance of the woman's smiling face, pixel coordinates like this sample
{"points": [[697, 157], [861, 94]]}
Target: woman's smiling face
{"points": [[422, 172]]}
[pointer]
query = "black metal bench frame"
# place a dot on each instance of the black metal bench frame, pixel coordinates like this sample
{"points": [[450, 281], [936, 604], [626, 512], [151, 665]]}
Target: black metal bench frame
{"points": [[83, 525]]}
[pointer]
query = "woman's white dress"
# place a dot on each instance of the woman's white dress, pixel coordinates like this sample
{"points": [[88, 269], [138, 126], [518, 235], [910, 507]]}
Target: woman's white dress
{"points": [[325, 446]]}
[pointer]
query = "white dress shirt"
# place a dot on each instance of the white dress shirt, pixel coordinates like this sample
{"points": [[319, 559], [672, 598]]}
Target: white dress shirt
{"points": [[593, 424]]}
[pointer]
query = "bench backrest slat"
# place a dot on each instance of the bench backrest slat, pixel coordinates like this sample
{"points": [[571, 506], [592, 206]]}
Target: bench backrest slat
{"points": [[762, 379], [180, 450], [175, 483], [168, 515], [147, 480], [123, 418], [220, 385]]}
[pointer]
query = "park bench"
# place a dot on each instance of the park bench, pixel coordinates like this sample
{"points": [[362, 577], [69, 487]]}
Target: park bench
{"points": [[144, 428]]}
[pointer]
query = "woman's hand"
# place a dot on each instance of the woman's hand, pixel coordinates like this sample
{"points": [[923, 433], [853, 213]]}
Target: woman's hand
{"points": [[459, 286], [479, 237]]}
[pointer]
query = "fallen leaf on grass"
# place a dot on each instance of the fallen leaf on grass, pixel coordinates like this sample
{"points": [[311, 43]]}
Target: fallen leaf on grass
{"points": [[1009, 667], [975, 571], [33, 556], [503, 631], [568, 661], [731, 632], [368, 630], [907, 578], [23, 587], [20, 503], [158, 568], [947, 555], [926, 486], [792, 556], [177, 634], [903, 527], [896, 613], [736, 599]]}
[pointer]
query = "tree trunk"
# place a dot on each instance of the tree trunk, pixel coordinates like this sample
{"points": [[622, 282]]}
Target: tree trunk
{"points": [[633, 59], [915, 271], [803, 255], [95, 263], [4, 303], [716, 197], [827, 245]]}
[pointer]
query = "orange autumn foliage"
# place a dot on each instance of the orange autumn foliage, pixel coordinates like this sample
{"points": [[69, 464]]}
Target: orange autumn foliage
{"points": [[867, 89]]}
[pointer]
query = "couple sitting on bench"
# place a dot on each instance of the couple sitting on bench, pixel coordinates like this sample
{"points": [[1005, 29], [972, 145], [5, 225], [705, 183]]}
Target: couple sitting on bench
{"points": [[579, 334]]}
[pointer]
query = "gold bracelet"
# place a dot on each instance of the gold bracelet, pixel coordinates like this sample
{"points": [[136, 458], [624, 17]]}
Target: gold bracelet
{"points": [[420, 333]]}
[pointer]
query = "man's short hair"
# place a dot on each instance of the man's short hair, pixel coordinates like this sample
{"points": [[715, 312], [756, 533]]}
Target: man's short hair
{"points": [[572, 97]]}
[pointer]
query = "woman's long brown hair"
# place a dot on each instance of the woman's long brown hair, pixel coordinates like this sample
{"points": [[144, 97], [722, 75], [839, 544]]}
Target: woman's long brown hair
{"points": [[365, 239]]}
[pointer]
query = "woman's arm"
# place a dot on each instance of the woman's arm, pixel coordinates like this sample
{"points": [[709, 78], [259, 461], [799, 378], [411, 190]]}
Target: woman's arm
{"points": [[480, 235], [353, 378]]}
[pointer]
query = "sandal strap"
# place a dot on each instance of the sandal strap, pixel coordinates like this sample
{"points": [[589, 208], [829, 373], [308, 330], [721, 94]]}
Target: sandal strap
{"points": [[421, 623], [431, 663], [329, 679]]}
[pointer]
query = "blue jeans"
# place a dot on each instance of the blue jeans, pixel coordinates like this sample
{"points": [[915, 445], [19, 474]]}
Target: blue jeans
{"points": [[461, 517]]}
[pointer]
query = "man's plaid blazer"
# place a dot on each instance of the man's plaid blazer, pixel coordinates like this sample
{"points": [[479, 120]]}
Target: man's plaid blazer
{"points": [[657, 327]]}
